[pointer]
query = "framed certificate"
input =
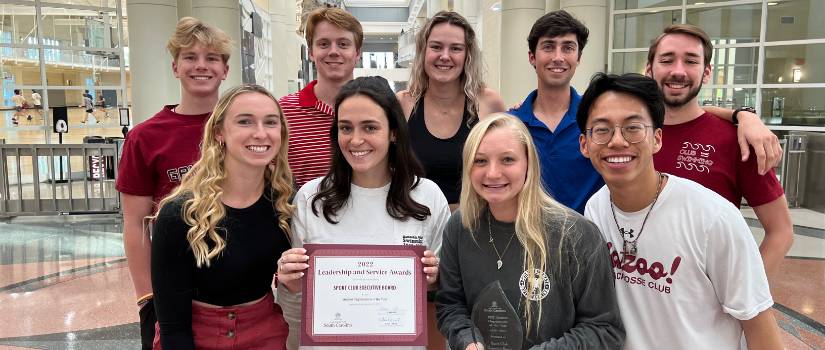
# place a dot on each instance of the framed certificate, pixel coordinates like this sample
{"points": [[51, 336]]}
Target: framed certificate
{"points": [[364, 295]]}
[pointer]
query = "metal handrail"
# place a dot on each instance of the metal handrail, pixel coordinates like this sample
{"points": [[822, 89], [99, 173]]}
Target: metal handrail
{"points": [[48, 186]]}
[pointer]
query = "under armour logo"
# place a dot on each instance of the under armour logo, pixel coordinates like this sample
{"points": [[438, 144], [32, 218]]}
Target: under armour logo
{"points": [[626, 233]]}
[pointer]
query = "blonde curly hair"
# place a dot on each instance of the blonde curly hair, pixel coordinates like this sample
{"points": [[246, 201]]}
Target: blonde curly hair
{"points": [[202, 189]]}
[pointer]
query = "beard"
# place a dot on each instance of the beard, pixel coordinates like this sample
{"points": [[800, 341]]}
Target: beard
{"points": [[676, 102]]}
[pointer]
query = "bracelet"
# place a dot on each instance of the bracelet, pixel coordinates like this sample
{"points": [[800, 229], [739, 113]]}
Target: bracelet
{"points": [[144, 299]]}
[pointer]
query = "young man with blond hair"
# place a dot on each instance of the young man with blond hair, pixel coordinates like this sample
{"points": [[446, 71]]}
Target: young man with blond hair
{"points": [[701, 147], [334, 37], [153, 163]]}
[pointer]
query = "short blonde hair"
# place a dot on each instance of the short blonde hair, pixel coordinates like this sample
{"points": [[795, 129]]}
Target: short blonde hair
{"points": [[191, 31], [337, 17]]}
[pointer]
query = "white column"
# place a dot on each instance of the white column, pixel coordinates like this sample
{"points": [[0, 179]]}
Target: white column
{"points": [[490, 41], [279, 65], [551, 5], [184, 8], [151, 22], [518, 78], [226, 15], [293, 43], [470, 10], [433, 6], [593, 13]]}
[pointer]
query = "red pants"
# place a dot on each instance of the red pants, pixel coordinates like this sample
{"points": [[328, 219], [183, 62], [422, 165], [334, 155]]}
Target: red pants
{"points": [[257, 326]]}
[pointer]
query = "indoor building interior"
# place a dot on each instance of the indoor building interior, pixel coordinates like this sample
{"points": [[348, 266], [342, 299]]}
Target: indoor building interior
{"points": [[64, 279]]}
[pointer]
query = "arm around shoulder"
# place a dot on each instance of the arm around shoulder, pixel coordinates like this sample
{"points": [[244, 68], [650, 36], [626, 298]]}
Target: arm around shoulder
{"points": [[491, 102], [407, 104]]}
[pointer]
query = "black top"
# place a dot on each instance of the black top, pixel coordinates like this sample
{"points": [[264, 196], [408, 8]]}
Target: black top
{"points": [[241, 273], [441, 158], [579, 309]]}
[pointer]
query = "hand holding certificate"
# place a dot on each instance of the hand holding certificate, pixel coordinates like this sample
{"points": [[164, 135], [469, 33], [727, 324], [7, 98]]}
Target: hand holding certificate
{"points": [[364, 295]]}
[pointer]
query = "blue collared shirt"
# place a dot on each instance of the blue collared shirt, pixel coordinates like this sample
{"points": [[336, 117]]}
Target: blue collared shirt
{"points": [[567, 175]]}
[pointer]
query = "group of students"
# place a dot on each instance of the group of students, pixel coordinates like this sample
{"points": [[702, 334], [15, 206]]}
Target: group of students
{"points": [[245, 180]]}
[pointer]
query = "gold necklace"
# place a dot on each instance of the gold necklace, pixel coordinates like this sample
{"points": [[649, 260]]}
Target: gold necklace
{"points": [[490, 232]]}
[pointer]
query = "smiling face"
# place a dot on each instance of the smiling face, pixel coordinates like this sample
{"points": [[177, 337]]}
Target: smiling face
{"points": [[251, 132], [445, 53], [364, 137], [499, 169], [334, 53], [618, 161], [679, 69], [555, 60], [200, 70]]}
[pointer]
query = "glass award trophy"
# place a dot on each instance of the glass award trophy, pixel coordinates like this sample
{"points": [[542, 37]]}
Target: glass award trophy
{"points": [[496, 319]]}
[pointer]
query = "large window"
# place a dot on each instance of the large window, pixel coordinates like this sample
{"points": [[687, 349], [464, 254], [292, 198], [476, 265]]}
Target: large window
{"points": [[767, 53], [60, 49]]}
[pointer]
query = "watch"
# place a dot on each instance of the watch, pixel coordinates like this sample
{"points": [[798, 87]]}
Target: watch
{"points": [[733, 117]]}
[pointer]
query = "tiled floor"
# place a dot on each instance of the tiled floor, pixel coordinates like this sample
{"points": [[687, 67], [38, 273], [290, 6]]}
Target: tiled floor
{"points": [[64, 284]]}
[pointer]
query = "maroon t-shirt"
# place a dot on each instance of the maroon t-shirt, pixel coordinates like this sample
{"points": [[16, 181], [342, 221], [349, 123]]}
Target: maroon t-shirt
{"points": [[158, 152], [706, 150]]}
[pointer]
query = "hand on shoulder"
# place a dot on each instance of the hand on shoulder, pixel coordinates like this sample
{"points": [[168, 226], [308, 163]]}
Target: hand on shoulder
{"points": [[491, 102], [407, 104]]}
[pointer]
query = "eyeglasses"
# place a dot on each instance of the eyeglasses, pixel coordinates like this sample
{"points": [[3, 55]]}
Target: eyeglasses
{"points": [[632, 133]]}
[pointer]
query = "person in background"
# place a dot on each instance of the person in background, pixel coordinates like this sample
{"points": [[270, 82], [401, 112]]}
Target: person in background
{"points": [[89, 107], [446, 97], [19, 104], [153, 163], [702, 147], [334, 37], [556, 42]]}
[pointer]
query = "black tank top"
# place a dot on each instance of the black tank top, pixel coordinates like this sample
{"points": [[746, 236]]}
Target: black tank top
{"points": [[441, 158]]}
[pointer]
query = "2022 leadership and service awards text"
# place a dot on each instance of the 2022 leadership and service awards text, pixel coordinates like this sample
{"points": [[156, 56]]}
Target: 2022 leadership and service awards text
{"points": [[359, 295]]}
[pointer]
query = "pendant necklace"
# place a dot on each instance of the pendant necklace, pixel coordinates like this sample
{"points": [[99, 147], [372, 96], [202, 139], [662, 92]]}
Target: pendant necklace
{"points": [[490, 232], [629, 247]]}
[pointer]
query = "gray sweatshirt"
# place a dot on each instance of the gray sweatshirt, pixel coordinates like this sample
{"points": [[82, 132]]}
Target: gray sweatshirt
{"points": [[578, 307]]}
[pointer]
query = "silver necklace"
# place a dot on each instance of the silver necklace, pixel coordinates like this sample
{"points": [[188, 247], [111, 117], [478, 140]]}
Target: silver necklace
{"points": [[492, 243], [630, 247]]}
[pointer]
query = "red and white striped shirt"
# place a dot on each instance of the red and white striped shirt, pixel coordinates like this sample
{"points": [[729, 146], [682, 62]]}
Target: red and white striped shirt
{"points": [[309, 120]]}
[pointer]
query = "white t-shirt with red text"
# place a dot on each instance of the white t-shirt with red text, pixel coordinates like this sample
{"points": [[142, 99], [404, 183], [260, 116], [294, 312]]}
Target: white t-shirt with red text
{"points": [[697, 274]]}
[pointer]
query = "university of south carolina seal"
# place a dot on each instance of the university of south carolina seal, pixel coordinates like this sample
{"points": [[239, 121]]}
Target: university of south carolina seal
{"points": [[541, 285]]}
